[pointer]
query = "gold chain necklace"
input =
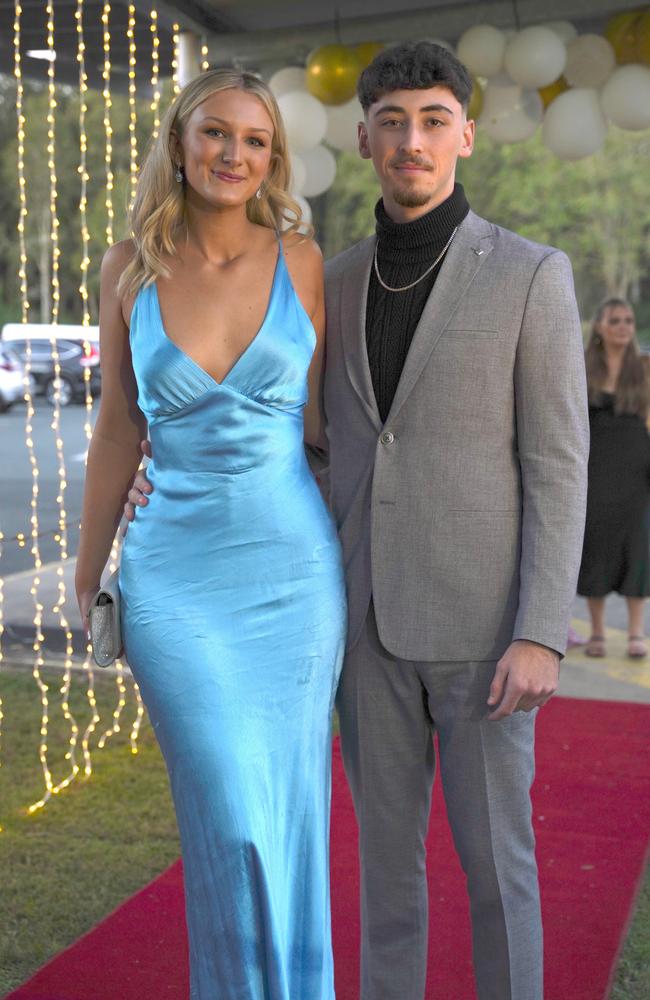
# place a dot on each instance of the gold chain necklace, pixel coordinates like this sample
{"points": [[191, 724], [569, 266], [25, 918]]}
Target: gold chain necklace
{"points": [[405, 288]]}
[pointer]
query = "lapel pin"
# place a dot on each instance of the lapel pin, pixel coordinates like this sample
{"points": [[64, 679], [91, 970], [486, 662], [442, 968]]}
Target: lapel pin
{"points": [[478, 252]]}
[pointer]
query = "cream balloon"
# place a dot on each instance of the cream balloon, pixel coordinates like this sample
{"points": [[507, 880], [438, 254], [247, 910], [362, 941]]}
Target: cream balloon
{"points": [[305, 119], [288, 79], [625, 98], [563, 29], [481, 49], [342, 126], [510, 113], [590, 61], [298, 172], [535, 57], [320, 167], [574, 124]]}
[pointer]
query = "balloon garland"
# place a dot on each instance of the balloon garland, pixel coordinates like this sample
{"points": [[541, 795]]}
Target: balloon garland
{"points": [[546, 77]]}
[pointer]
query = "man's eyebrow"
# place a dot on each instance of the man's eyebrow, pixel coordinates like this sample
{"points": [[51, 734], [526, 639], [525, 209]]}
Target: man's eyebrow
{"points": [[402, 111], [222, 121]]}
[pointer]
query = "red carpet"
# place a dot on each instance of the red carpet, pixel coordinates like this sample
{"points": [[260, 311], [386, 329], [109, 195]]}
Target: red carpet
{"points": [[592, 816]]}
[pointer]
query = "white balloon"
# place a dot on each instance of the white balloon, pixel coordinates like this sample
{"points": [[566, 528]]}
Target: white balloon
{"points": [[535, 57], [342, 126], [574, 125], [305, 119], [288, 79], [563, 29], [320, 166], [590, 61], [625, 98], [481, 49], [305, 209], [510, 113], [298, 172]]}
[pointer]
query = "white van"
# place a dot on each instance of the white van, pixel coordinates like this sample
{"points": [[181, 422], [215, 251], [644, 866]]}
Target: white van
{"points": [[75, 352]]}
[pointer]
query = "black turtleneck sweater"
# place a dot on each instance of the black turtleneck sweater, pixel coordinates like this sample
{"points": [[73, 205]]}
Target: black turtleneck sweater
{"points": [[404, 251]]}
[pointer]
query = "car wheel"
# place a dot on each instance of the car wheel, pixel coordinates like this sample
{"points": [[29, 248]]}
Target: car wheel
{"points": [[65, 394]]}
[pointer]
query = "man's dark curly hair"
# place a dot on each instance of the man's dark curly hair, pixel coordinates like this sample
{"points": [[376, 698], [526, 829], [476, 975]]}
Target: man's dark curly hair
{"points": [[414, 66]]}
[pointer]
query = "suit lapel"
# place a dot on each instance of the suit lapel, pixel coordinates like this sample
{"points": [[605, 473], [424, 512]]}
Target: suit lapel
{"points": [[467, 253], [354, 297]]}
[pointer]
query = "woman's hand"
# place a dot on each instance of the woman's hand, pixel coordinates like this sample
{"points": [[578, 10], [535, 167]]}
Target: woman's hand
{"points": [[84, 597]]}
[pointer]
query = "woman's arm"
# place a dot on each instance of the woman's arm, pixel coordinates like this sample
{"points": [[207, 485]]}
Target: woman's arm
{"points": [[305, 264], [114, 452]]}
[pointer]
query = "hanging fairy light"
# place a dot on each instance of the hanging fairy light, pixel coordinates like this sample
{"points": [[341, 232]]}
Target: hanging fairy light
{"points": [[61, 536], [176, 39], [205, 65], [22, 196], [133, 113], [108, 129], [29, 415], [155, 72], [83, 291]]}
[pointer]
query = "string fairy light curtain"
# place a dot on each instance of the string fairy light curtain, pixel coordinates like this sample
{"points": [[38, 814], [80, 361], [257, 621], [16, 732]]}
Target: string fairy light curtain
{"points": [[65, 759]]}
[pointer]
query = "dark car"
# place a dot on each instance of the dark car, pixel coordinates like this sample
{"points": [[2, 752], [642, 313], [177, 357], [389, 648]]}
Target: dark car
{"points": [[73, 362]]}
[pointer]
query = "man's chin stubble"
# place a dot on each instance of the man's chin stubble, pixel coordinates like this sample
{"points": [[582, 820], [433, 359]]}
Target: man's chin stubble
{"points": [[411, 199]]}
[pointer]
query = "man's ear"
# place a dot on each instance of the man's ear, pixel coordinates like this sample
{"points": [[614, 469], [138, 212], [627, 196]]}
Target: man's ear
{"points": [[364, 145], [469, 134]]}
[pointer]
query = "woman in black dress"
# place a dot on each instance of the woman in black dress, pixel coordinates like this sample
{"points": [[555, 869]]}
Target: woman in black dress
{"points": [[615, 553]]}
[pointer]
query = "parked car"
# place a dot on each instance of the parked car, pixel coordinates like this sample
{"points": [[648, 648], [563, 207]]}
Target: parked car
{"points": [[11, 378], [73, 362], [73, 358]]}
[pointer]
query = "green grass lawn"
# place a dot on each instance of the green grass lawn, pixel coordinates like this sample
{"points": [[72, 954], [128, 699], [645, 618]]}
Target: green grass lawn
{"points": [[66, 866]]}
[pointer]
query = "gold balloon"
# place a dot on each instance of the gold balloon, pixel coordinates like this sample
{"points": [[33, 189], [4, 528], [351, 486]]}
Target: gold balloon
{"points": [[621, 32], [476, 100], [642, 29], [367, 51], [553, 90], [332, 72]]}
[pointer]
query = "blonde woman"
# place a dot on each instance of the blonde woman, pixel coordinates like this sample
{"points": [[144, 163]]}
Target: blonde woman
{"points": [[212, 329], [615, 554]]}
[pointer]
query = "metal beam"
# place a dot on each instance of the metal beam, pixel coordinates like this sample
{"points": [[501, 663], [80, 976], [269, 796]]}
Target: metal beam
{"points": [[194, 15], [447, 21]]}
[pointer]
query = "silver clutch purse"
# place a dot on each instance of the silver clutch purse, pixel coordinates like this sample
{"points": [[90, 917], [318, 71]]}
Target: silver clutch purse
{"points": [[104, 616]]}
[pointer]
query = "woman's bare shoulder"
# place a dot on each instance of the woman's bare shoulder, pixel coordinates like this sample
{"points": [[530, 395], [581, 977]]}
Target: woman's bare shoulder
{"points": [[118, 256], [303, 254]]}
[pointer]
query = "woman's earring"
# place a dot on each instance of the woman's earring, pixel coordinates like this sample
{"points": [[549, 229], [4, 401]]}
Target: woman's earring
{"points": [[258, 193], [179, 173]]}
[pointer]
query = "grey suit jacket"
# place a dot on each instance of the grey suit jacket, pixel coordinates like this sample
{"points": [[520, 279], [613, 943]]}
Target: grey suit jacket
{"points": [[463, 515]]}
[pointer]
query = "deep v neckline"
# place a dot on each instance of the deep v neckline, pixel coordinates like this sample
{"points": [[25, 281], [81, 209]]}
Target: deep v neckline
{"points": [[251, 342]]}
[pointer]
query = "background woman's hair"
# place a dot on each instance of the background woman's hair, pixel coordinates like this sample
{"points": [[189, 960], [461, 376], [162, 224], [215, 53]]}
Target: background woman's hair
{"points": [[159, 205], [632, 388]]}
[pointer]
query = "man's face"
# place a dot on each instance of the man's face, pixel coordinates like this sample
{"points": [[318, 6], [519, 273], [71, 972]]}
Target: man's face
{"points": [[414, 138]]}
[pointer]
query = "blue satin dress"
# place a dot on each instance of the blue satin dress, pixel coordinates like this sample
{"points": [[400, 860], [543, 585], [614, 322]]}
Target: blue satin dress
{"points": [[234, 622]]}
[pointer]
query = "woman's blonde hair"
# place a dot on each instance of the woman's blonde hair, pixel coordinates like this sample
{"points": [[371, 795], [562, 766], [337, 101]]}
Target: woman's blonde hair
{"points": [[159, 205], [632, 388]]}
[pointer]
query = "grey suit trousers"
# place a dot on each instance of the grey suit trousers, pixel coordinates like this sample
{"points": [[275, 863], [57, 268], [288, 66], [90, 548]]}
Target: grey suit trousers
{"points": [[388, 710]]}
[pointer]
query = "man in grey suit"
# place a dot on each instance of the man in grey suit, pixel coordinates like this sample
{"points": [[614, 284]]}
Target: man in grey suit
{"points": [[458, 437], [457, 421]]}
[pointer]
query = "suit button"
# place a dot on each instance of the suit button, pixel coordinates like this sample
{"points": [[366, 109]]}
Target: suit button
{"points": [[387, 437]]}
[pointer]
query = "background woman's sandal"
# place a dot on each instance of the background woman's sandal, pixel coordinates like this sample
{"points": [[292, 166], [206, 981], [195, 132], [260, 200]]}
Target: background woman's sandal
{"points": [[637, 647], [596, 646]]}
